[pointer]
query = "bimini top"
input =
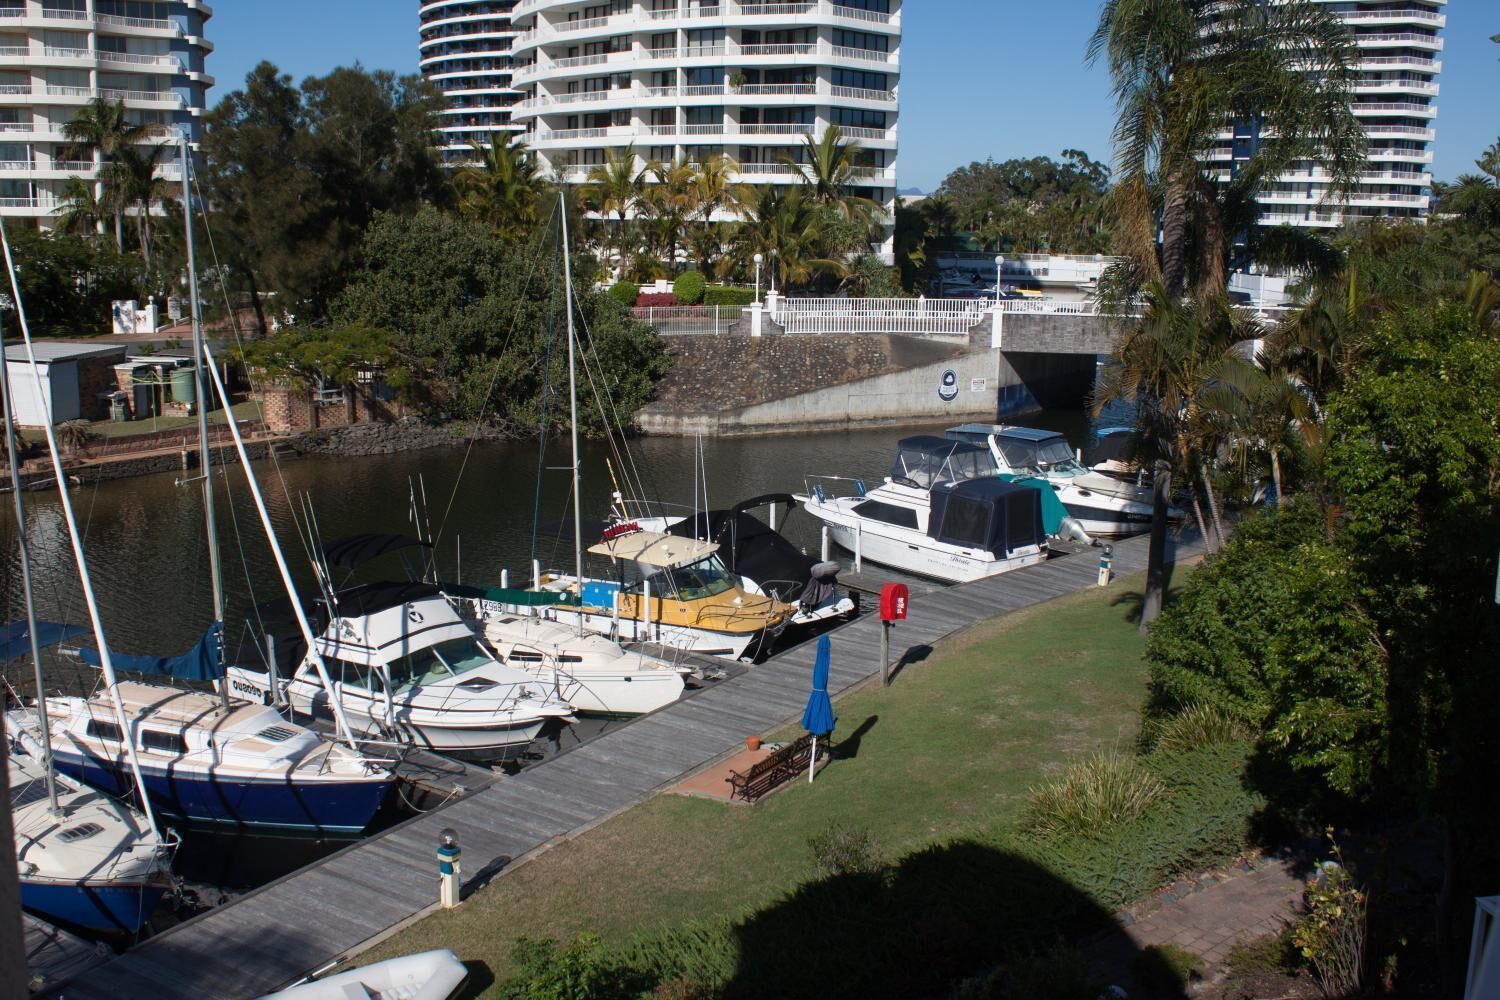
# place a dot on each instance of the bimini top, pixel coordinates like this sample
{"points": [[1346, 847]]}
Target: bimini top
{"points": [[924, 461], [652, 548], [968, 432], [989, 514]]}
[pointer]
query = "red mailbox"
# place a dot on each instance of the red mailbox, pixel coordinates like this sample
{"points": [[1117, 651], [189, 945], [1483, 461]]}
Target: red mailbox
{"points": [[893, 598]]}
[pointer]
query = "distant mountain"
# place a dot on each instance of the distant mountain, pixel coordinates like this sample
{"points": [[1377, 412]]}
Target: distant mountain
{"points": [[905, 192]]}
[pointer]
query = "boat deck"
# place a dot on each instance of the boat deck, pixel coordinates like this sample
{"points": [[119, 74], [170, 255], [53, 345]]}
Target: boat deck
{"points": [[306, 920]]}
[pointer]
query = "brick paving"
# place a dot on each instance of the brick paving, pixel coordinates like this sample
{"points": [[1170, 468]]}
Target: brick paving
{"points": [[1208, 917]]}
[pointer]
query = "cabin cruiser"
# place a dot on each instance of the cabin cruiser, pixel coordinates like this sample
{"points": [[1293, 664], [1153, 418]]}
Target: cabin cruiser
{"points": [[942, 512], [93, 861], [667, 589], [764, 560], [406, 668], [246, 769], [1101, 504]]}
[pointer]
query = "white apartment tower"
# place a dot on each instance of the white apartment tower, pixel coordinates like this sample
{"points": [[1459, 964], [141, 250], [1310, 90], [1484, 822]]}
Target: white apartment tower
{"points": [[466, 51], [689, 79], [57, 55], [1395, 96]]}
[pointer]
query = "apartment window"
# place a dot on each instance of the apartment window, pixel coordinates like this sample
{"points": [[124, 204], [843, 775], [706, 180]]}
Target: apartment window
{"points": [[705, 116], [144, 9], [861, 40], [789, 116], [852, 118], [803, 77], [706, 76], [705, 38], [663, 116], [64, 7], [861, 80]]}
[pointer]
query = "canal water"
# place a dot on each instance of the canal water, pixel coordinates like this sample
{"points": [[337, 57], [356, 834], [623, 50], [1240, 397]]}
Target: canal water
{"points": [[145, 545]]}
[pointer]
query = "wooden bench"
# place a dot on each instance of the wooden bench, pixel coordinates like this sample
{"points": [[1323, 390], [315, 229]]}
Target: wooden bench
{"points": [[781, 766]]}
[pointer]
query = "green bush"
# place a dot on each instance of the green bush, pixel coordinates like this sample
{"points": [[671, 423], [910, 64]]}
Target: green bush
{"points": [[689, 288], [584, 970], [1093, 795], [1199, 726], [626, 292], [839, 850], [728, 295]]}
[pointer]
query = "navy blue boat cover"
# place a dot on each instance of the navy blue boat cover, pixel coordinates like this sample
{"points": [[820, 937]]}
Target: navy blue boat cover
{"points": [[987, 514], [201, 663], [15, 639]]}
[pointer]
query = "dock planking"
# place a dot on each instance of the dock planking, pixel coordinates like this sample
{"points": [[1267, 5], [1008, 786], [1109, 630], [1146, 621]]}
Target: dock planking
{"points": [[279, 933]]}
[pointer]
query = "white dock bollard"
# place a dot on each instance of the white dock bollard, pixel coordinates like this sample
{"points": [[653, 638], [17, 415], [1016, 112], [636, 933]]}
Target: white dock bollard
{"points": [[1106, 558], [448, 855]]}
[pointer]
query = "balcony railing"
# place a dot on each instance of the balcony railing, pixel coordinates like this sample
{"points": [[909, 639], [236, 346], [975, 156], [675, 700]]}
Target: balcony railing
{"points": [[779, 50], [1410, 14], [56, 91]]}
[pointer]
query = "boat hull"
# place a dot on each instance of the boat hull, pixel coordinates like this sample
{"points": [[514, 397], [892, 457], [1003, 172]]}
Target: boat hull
{"points": [[109, 907], [697, 640], [324, 808], [620, 693], [912, 556], [486, 736]]}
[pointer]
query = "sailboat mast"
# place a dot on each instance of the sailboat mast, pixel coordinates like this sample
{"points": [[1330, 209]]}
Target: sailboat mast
{"points": [[36, 649], [106, 662], [573, 407], [201, 398]]}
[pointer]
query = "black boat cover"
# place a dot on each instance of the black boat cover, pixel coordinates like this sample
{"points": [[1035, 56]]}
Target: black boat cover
{"points": [[989, 514], [751, 549]]}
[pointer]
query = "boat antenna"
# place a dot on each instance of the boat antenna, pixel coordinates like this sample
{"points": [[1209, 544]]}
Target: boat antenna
{"points": [[106, 662], [201, 398], [25, 556], [573, 404], [335, 701]]}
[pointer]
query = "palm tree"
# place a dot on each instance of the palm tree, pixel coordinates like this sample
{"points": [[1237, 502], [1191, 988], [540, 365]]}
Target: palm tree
{"points": [[671, 201], [82, 210], [829, 174], [1183, 72], [712, 184], [504, 191], [1276, 417], [102, 127], [615, 186], [784, 222], [131, 180]]}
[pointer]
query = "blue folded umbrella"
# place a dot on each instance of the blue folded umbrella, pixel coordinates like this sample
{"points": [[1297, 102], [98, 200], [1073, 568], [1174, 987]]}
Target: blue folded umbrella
{"points": [[818, 718]]}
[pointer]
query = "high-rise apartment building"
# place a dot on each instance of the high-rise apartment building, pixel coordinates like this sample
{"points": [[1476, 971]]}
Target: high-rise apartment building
{"points": [[690, 79], [1395, 94], [58, 55], [466, 52]]}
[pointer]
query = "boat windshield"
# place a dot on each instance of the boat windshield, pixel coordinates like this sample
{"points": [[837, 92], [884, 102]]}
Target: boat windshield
{"points": [[435, 663], [923, 467], [1055, 458], [695, 581]]}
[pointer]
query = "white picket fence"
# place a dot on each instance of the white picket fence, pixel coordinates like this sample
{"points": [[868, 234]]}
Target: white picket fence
{"points": [[953, 317]]}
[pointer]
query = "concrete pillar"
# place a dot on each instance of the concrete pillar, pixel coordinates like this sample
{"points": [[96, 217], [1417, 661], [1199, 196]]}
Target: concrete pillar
{"points": [[995, 331], [755, 312]]}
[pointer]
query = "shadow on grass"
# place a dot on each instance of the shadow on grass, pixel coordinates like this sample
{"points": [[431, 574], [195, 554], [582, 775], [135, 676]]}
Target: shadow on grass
{"points": [[848, 747], [962, 911], [481, 978], [1132, 600], [483, 875], [913, 655]]}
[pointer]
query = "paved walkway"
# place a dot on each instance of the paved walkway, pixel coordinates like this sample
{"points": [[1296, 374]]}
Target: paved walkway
{"points": [[1208, 917]]}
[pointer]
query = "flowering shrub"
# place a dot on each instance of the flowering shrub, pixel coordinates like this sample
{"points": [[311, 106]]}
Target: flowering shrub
{"points": [[657, 299]]}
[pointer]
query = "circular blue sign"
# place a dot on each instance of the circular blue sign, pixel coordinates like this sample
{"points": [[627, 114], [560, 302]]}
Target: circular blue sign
{"points": [[948, 386]]}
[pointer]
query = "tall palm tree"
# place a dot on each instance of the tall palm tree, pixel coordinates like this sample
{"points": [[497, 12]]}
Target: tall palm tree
{"points": [[714, 190], [504, 191], [103, 127], [615, 187], [1183, 72], [82, 209], [671, 201], [783, 221], [829, 174], [132, 180]]}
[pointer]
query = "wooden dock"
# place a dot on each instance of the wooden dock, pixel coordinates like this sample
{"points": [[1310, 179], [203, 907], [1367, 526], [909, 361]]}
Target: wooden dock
{"points": [[277, 934], [53, 956]]}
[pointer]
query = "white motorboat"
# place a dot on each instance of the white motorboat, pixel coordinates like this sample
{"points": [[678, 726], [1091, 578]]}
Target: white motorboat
{"points": [[82, 858], [1102, 505], [405, 667], [429, 975], [942, 513]]}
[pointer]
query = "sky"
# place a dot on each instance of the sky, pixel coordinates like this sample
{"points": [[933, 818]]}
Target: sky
{"points": [[979, 78]]}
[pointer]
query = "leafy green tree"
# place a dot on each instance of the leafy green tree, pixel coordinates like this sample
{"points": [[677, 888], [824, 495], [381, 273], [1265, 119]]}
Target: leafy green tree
{"points": [[505, 191], [783, 220], [331, 356], [1033, 204], [69, 282]]}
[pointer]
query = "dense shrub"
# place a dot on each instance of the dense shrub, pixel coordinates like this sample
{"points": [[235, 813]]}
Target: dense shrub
{"points": [[689, 288], [839, 850], [728, 295], [1092, 796], [626, 292], [1198, 726], [1270, 632], [656, 299]]}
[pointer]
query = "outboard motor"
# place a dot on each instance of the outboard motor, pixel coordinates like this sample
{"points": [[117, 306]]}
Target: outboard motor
{"points": [[1070, 529], [821, 580]]}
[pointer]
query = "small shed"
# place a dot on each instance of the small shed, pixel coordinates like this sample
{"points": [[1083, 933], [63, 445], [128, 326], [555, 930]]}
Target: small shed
{"points": [[71, 383]]}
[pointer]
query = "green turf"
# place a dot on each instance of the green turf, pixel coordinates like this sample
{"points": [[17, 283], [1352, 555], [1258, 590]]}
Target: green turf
{"points": [[248, 410], [950, 748]]}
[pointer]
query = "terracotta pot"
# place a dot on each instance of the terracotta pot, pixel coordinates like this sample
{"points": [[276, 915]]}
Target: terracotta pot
{"points": [[752, 742]]}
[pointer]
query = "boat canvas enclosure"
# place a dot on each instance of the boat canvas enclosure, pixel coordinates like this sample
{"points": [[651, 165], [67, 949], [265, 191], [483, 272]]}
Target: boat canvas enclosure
{"points": [[751, 548], [926, 460], [988, 514], [1024, 448]]}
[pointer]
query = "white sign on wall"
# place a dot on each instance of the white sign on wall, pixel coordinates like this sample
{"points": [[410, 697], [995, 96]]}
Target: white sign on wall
{"points": [[978, 384]]}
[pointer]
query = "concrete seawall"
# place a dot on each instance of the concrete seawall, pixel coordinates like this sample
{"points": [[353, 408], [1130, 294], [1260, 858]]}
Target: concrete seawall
{"points": [[727, 386]]}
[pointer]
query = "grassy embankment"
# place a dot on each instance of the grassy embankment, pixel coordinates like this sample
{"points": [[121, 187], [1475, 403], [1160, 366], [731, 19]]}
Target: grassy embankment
{"points": [[947, 753]]}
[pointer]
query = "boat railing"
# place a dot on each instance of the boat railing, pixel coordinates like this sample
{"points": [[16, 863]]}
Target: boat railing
{"points": [[818, 491]]}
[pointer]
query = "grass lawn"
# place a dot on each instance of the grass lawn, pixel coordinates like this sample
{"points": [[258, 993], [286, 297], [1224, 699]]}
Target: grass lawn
{"points": [[950, 748], [248, 410]]}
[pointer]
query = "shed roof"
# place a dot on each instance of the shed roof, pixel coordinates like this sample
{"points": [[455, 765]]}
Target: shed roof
{"points": [[48, 351]]}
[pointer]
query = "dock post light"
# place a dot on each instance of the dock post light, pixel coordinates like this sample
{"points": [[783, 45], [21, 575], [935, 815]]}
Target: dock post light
{"points": [[1106, 559], [448, 855], [758, 259]]}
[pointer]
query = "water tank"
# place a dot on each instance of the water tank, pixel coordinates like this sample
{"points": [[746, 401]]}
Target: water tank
{"points": [[182, 386]]}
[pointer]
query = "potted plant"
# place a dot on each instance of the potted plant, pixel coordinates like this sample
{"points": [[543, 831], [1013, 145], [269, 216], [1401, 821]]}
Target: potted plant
{"points": [[737, 79]]}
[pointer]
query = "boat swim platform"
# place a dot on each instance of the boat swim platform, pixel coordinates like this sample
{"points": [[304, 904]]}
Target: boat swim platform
{"points": [[311, 918]]}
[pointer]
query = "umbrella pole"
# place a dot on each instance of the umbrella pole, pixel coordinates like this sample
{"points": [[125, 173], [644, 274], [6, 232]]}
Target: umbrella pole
{"points": [[812, 760]]}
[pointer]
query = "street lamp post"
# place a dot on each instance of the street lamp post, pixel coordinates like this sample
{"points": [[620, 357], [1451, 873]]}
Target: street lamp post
{"points": [[773, 272], [758, 259], [999, 276]]}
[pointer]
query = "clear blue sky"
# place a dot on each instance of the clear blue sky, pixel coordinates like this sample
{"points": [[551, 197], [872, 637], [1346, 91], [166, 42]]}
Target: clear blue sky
{"points": [[979, 78]]}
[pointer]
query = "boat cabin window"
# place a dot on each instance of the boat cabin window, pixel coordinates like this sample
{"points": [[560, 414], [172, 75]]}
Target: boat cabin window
{"points": [[925, 467], [103, 730], [358, 675], [82, 831], [1054, 456], [1019, 455], [693, 582], [155, 739], [436, 663], [890, 513]]}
